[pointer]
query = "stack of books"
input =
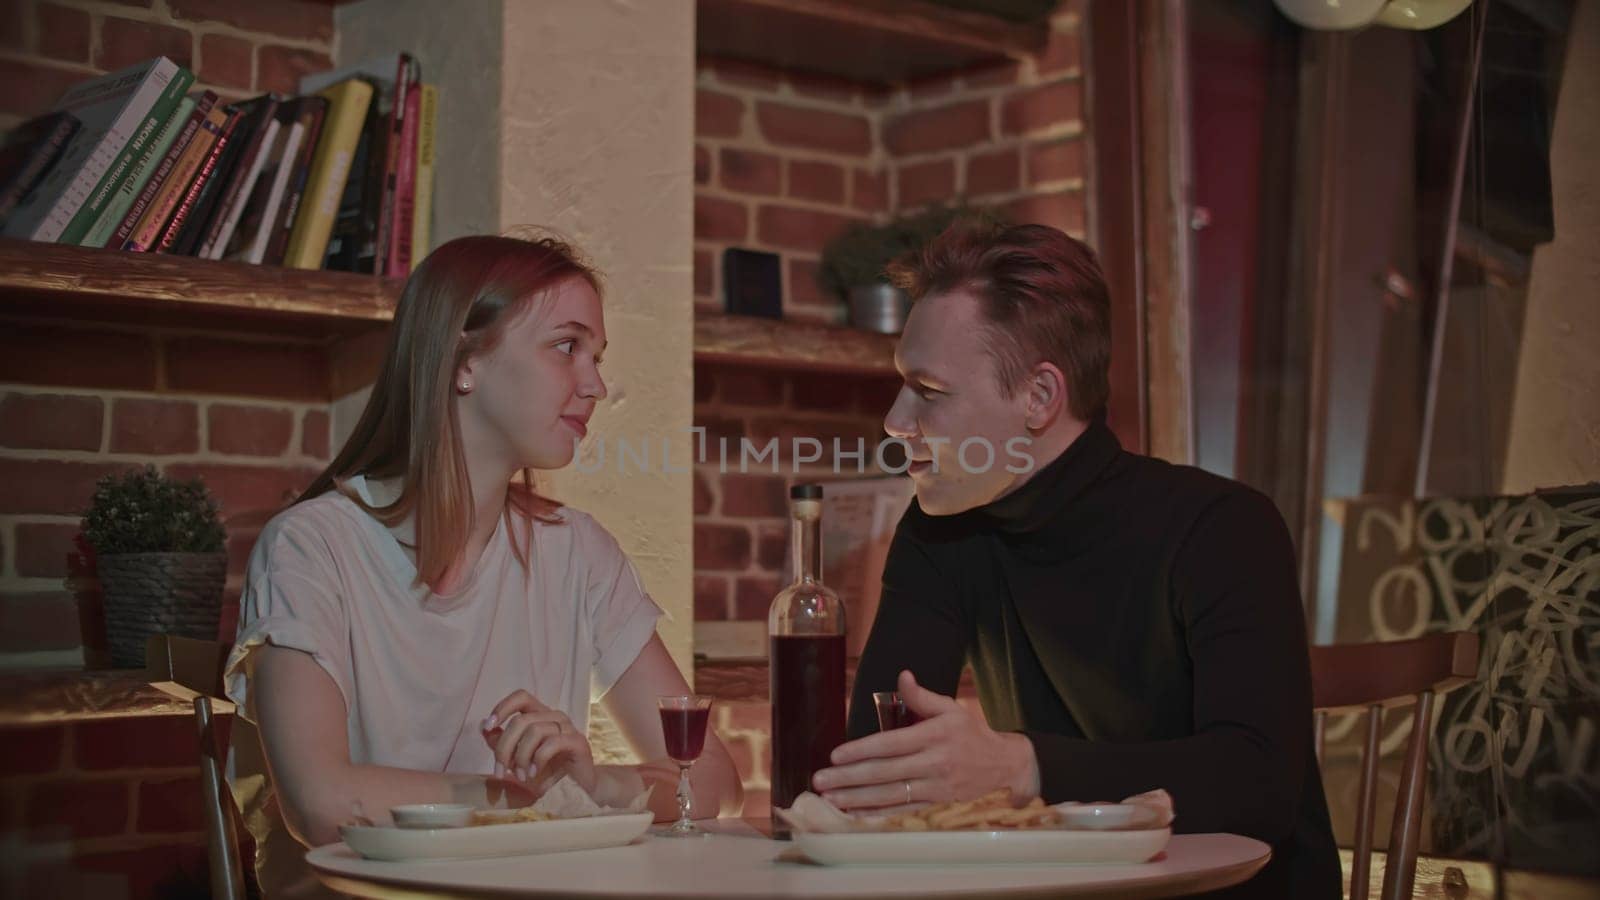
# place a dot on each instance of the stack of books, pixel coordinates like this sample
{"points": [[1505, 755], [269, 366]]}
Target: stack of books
{"points": [[340, 177]]}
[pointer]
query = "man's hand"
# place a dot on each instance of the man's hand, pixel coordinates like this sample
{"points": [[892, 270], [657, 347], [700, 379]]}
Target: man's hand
{"points": [[949, 755], [536, 744]]}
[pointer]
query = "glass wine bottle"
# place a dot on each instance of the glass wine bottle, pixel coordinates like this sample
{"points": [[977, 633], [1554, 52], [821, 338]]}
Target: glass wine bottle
{"points": [[805, 647]]}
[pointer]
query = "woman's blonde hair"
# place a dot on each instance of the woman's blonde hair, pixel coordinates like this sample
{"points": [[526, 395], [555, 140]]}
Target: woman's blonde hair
{"points": [[455, 305]]}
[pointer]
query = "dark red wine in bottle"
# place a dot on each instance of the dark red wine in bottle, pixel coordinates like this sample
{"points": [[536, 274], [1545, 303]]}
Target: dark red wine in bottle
{"points": [[807, 712], [806, 631]]}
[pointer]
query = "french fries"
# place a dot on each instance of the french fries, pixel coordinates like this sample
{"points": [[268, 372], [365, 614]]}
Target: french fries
{"points": [[509, 816], [991, 812]]}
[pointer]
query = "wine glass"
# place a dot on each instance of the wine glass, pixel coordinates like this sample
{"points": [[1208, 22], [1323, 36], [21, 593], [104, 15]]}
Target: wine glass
{"points": [[892, 711], [683, 724]]}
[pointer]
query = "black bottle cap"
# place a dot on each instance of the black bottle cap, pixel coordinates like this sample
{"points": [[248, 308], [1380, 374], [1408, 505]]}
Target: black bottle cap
{"points": [[805, 492]]}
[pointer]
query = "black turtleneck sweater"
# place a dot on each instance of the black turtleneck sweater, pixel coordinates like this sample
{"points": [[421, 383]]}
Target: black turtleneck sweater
{"points": [[1140, 623]]}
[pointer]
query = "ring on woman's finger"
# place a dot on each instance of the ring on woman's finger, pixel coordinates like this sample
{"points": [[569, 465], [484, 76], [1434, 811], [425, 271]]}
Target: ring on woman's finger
{"points": [[908, 790]]}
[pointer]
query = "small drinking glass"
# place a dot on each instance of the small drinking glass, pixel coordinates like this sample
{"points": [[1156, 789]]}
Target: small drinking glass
{"points": [[683, 725], [892, 711]]}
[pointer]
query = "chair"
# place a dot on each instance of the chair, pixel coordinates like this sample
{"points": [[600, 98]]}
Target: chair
{"points": [[192, 669], [1374, 677]]}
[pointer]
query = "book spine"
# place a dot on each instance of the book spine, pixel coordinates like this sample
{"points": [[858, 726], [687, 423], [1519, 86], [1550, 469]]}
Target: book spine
{"points": [[248, 170], [207, 169], [233, 206], [257, 247], [316, 109], [148, 130], [164, 169], [355, 245], [391, 159], [405, 189], [97, 103], [148, 230], [346, 114], [422, 205], [197, 222], [106, 151], [119, 83], [44, 155], [143, 171]]}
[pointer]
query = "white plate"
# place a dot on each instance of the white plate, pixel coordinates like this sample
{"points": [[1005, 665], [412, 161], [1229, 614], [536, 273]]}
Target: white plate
{"points": [[1046, 845], [483, 841]]}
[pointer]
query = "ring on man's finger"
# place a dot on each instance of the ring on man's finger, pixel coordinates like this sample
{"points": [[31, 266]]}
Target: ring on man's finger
{"points": [[908, 790]]}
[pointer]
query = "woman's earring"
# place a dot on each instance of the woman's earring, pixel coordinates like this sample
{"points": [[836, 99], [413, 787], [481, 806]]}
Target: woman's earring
{"points": [[466, 386]]}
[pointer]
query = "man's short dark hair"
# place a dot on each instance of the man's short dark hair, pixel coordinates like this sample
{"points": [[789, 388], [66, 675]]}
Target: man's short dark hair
{"points": [[1042, 294]]}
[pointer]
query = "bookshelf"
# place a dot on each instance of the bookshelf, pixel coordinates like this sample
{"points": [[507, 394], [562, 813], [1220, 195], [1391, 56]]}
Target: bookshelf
{"points": [[54, 281], [877, 42]]}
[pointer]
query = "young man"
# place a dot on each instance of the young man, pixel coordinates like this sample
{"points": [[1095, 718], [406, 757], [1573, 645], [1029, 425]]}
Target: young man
{"points": [[1131, 624]]}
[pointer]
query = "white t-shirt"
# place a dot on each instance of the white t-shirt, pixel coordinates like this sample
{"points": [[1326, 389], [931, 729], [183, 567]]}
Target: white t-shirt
{"points": [[419, 671]]}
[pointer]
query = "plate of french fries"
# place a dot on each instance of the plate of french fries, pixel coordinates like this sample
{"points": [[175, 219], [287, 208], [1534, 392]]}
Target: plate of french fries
{"points": [[564, 818], [987, 830], [496, 837]]}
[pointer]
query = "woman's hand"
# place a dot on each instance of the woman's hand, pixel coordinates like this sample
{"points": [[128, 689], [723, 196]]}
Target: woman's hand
{"points": [[536, 745]]}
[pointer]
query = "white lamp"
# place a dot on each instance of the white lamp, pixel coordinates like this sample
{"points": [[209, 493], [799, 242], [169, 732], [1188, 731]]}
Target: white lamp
{"points": [[1339, 15], [1420, 14]]}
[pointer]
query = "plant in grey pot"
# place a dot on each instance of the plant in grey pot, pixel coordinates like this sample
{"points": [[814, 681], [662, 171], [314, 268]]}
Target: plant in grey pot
{"points": [[853, 263], [158, 552]]}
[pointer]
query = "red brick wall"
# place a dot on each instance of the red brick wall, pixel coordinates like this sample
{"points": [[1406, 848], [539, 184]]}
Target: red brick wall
{"points": [[111, 808], [103, 808], [741, 519], [249, 417], [1009, 137], [745, 728], [783, 162], [79, 402], [237, 48]]}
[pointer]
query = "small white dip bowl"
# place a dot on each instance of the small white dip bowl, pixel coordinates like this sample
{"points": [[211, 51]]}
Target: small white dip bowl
{"points": [[432, 815], [1098, 816]]}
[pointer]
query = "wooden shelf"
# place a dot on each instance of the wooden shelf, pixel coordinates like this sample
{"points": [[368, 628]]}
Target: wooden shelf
{"points": [[880, 42], [60, 282], [51, 281], [791, 345]]}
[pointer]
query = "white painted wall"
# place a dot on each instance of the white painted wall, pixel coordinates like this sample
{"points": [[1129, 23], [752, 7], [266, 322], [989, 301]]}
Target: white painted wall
{"points": [[578, 115], [597, 112], [1555, 415]]}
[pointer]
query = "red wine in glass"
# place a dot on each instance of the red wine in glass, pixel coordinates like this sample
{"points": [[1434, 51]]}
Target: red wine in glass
{"points": [[683, 728], [892, 711], [685, 731]]}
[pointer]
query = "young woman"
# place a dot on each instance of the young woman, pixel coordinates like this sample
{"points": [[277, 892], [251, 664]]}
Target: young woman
{"points": [[421, 625]]}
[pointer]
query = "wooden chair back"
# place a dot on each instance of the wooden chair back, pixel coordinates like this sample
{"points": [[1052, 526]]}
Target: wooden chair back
{"points": [[192, 669], [1374, 677]]}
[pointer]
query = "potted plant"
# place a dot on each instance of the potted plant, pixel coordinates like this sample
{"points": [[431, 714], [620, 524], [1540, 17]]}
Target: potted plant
{"points": [[853, 263], [158, 552]]}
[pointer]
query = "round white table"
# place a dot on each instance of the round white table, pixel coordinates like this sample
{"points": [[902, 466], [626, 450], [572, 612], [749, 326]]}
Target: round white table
{"points": [[737, 860]]}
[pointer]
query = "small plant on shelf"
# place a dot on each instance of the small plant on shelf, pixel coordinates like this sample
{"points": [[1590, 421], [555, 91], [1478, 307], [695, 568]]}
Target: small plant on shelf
{"points": [[860, 253], [853, 264], [158, 550], [143, 511]]}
